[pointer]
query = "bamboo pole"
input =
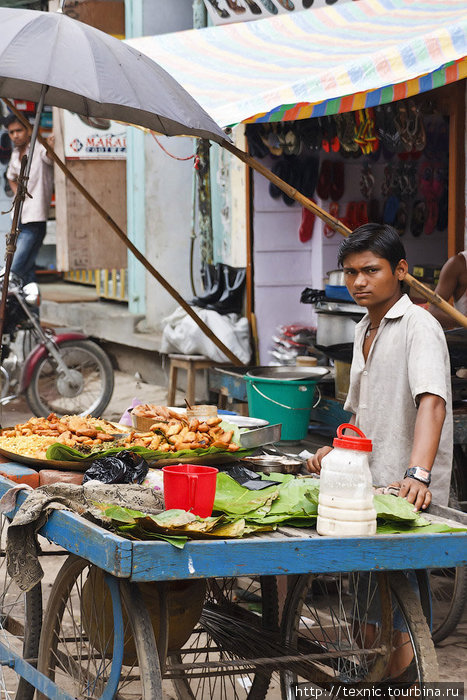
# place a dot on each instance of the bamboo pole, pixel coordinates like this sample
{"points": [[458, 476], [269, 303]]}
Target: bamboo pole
{"points": [[121, 234], [338, 226]]}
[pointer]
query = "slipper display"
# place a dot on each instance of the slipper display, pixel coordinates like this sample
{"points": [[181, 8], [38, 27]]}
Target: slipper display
{"points": [[416, 127], [426, 179], [367, 181], [310, 134], [402, 122], [305, 231], [223, 14]]}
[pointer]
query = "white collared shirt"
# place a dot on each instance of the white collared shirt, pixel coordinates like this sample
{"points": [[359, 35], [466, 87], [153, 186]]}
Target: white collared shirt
{"points": [[39, 186], [407, 358]]}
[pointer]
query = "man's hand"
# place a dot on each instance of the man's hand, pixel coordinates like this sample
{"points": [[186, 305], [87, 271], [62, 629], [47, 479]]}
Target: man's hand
{"points": [[314, 463], [415, 492], [51, 140]]}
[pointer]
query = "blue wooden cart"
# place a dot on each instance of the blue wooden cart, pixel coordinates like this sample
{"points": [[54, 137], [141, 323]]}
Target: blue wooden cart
{"points": [[218, 618]]}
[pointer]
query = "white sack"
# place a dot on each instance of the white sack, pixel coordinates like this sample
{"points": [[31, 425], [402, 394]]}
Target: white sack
{"points": [[181, 334]]}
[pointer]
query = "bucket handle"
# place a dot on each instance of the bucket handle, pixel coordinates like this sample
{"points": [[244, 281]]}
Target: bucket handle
{"points": [[291, 408]]}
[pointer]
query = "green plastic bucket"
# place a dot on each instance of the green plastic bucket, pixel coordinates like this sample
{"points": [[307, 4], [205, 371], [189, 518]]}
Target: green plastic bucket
{"points": [[286, 401]]}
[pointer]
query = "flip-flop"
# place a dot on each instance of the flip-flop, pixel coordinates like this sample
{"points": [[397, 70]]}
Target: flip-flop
{"points": [[336, 189], [324, 180], [256, 146], [270, 7], [418, 219], [362, 213], [390, 209], [426, 179], [278, 169], [350, 218], [400, 222], [334, 211]]}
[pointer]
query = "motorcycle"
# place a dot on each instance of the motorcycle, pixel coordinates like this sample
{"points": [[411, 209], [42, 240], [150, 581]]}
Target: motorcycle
{"points": [[64, 373]]}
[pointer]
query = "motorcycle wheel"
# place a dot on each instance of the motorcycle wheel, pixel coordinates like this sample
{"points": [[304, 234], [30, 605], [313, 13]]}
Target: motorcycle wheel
{"points": [[91, 390]]}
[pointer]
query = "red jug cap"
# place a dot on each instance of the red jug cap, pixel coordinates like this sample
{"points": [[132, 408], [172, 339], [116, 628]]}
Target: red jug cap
{"points": [[361, 443]]}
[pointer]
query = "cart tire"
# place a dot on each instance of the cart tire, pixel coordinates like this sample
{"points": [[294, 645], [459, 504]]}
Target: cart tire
{"points": [[252, 611], [76, 644], [20, 625], [48, 392], [323, 616]]}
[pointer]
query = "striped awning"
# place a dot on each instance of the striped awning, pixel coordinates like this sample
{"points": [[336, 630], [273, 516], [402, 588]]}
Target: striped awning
{"points": [[317, 62]]}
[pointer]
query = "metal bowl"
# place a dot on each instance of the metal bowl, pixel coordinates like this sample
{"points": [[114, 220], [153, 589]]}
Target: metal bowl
{"points": [[288, 372], [268, 464]]}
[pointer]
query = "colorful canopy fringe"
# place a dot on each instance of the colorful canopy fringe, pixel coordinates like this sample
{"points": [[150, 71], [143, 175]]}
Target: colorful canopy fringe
{"points": [[317, 62]]}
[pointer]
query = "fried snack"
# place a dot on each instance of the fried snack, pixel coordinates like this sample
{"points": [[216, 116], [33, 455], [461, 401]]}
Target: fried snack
{"points": [[32, 438], [170, 432]]}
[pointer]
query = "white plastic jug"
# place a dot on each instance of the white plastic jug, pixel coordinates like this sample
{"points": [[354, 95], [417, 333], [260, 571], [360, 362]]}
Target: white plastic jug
{"points": [[345, 506]]}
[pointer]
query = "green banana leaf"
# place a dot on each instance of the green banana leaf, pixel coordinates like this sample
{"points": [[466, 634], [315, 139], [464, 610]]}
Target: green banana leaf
{"points": [[64, 453], [234, 499]]}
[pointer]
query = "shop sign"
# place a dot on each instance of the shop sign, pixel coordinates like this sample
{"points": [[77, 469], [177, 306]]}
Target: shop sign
{"points": [[93, 138], [227, 11]]}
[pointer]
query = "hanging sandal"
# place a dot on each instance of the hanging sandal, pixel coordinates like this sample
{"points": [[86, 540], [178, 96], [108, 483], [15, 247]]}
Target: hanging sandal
{"points": [[334, 211]]}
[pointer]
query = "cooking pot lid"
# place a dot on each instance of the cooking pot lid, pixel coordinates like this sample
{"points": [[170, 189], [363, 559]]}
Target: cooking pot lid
{"points": [[288, 372]]}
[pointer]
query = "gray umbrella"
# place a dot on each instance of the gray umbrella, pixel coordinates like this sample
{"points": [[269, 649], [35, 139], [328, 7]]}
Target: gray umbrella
{"points": [[89, 72]]}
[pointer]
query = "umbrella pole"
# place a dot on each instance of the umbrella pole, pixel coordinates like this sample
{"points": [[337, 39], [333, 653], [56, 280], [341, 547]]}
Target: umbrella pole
{"points": [[138, 255], [338, 226]]}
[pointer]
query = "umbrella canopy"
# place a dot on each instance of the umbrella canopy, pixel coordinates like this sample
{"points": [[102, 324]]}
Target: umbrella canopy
{"points": [[91, 73]]}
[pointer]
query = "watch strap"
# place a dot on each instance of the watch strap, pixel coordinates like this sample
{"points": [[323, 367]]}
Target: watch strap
{"points": [[419, 473]]}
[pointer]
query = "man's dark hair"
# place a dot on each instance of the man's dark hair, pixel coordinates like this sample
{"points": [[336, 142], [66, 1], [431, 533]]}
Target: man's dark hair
{"points": [[380, 239], [10, 119]]}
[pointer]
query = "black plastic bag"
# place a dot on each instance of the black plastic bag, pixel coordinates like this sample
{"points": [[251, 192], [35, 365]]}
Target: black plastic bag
{"points": [[121, 468], [250, 480]]}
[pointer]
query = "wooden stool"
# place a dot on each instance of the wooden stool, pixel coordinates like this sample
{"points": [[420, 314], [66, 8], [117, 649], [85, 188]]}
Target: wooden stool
{"points": [[191, 363]]}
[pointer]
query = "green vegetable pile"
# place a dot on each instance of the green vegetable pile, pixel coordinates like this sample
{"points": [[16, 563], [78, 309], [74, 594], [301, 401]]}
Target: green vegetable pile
{"points": [[239, 512]]}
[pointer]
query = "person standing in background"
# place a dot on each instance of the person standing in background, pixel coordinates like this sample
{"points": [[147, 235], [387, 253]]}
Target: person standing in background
{"points": [[452, 283], [35, 212]]}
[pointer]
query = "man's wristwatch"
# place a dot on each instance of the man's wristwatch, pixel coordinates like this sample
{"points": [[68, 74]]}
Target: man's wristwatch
{"points": [[420, 474]]}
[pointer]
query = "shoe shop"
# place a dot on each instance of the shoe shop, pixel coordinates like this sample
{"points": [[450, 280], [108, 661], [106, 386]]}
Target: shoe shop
{"points": [[360, 108]]}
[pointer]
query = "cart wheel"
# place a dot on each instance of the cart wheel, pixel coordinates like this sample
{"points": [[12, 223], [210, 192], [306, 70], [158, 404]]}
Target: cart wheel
{"points": [[77, 647], [448, 595], [330, 617], [238, 614], [20, 625]]}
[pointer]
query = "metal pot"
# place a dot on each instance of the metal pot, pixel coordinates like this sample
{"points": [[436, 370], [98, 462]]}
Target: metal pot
{"points": [[335, 328], [336, 278]]}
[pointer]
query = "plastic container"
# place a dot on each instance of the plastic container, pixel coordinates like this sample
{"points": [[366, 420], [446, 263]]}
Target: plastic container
{"points": [[190, 487], [286, 401], [345, 506]]}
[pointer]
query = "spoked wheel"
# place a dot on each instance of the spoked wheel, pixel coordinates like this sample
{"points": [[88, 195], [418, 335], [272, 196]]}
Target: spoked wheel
{"points": [[238, 619], [83, 649], [448, 596], [86, 389], [342, 627], [20, 626]]}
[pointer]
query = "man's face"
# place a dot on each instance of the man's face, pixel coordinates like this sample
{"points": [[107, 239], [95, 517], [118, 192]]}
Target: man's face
{"points": [[371, 281], [18, 135]]}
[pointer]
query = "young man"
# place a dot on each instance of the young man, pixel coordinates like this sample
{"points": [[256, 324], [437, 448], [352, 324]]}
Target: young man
{"points": [[400, 385], [35, 208]]}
